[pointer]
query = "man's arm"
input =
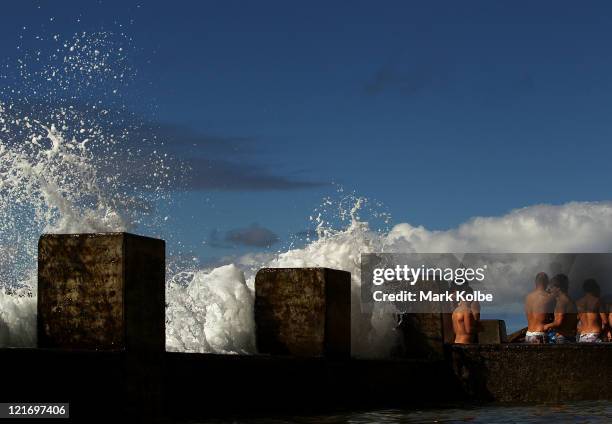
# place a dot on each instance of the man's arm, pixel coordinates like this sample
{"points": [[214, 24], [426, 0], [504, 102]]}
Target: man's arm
{"points": [[603, 314], [580, 310], [475, 308], [556, 323], [458, 324], [468, 322], [527, 305], [559, 314], [610, 322]]}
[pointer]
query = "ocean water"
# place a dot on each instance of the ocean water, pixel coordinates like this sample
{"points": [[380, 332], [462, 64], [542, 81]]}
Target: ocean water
{"points": [[576, 413], [73, 160]]}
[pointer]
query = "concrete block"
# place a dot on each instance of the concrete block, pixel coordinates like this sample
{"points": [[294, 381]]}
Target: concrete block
{"points": [[423, 335], [492, 331], [303, 311], [101, 292]]}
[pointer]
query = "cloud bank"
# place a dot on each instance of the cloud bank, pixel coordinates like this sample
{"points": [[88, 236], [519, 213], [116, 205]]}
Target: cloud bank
{"points": [[216, 162], [576, 227]]}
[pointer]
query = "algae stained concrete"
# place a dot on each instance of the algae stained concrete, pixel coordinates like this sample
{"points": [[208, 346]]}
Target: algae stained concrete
{"points": [[101, 292], [106, 293], [303, 311]]}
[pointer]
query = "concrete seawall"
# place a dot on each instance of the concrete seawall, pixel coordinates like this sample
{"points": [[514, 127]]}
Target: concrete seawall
{"points": [[534, 373], [235, 385], [205, 385], [105, 293]]}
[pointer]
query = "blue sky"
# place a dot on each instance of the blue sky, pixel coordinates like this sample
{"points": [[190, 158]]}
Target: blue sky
{"points": [[441, 110]]}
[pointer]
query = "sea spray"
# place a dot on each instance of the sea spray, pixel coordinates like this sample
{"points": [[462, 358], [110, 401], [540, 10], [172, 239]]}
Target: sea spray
{"points": [[212, 313], [216, 305], [573, 227], [17, 317], [72, 160]]}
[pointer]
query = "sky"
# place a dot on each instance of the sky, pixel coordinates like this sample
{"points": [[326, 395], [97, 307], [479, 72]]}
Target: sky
{"points": [[442, 111]]}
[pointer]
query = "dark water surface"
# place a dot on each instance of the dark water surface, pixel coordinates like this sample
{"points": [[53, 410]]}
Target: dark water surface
{"points": [[578, 412]]}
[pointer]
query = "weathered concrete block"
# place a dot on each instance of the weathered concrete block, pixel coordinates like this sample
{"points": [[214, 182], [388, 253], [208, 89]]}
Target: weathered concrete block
{"points": [[492, 331], [423, 335], [303, 311], [519, 372], [102, 292]]}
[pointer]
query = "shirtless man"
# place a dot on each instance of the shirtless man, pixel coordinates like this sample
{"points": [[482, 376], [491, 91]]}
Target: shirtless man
{"points": [[566, 317], [538, 306], [610, 320], [464, 322], [591, 314], [606, 309]]}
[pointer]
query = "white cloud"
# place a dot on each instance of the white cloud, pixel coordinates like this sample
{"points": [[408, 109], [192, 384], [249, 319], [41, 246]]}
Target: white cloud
{"points": [[576, 227], [216, 307]]}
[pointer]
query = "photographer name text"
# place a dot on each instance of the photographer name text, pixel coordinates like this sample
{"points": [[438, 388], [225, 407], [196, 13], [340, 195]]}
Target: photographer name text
{"points": [[431, 296]]}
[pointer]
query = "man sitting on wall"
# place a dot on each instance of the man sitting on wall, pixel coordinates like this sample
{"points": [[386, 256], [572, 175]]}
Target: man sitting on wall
{"points": [[591, 314], [609, 310], [464, 321], [606, 304], [538, 306], [566, 318]]}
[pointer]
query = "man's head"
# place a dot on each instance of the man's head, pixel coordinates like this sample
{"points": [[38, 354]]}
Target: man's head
{"points": [[560, 282], [591, 286], [541, 280], [457, 301], [468, 291]]}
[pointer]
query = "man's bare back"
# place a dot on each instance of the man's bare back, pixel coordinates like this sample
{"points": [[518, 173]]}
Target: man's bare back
{"points": [[464, 324], [609, 310], [609, 322], [538, 306], [590, 314]]}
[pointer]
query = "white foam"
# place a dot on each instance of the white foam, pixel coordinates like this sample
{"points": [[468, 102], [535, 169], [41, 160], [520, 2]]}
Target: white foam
{"points": [[17, 318], [63, 164], [213, 313], [59, 173], [573, 227]]}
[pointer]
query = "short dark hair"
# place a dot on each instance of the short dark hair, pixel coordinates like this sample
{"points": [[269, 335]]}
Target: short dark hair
{"points": [[591, 286], [465, 287], [561, 281], [541, 279]]}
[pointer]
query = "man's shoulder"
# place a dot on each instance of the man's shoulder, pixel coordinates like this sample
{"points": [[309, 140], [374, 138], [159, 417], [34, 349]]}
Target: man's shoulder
{"points": [[592, 301], [543, 296], [587, 304], [458, 314], [606, 303], [566, 303]]}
